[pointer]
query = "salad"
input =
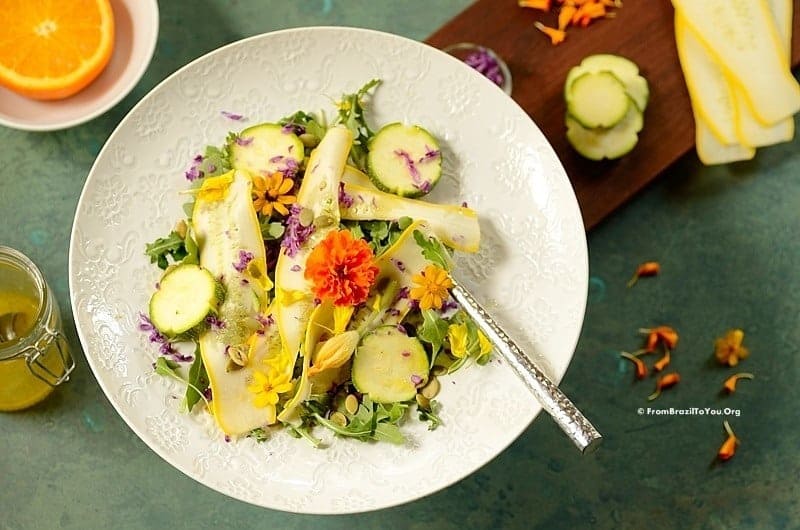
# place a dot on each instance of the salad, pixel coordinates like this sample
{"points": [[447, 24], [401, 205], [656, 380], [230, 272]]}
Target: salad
{"points": [[311, 280]]}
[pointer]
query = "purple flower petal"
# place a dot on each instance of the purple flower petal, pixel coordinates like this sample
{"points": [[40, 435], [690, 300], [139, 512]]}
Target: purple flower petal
{"points": [[296, 234], [416, 379], [245, 258], [345, 199], [232, 115], [244, 142]]}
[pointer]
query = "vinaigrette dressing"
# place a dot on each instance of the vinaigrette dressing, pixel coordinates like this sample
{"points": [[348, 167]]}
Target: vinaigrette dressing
{"points": [[34, 356]]}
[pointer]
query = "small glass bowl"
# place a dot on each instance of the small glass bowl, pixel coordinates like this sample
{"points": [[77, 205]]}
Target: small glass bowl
{"points": [[485, 61]]}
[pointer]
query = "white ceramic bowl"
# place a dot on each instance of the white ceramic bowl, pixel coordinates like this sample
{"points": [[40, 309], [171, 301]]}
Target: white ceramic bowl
{"points": [[531, 271], [136, 32]]}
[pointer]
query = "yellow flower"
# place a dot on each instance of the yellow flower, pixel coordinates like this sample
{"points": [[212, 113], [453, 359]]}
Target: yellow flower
{"points": [[486, 346], [270, 193], [432, 285], [458, 335], [266, 388], [728, 349], [215, 188]]}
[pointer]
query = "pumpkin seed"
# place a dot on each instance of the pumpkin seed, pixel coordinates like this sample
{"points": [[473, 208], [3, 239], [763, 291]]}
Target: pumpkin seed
{"points": [[238, 354], [431, 390], [351, 404], [181, 228], [339, 419], [439, 370], [423, 402], [306, 217]]}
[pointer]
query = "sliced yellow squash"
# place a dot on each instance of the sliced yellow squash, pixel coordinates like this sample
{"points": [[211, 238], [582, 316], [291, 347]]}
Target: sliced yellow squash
{"points": [[456, 226], [742, 36], [232, 250]]}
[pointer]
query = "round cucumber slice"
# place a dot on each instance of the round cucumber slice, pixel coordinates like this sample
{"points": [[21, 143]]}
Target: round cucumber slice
{"points": [[265, 148], [597, 100], [404, 160], [389, 365], [624, 69], [185, 296], [596, 144]]}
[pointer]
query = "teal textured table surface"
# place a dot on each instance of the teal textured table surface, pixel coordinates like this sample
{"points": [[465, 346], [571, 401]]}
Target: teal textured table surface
{"points": [[727, 240]]}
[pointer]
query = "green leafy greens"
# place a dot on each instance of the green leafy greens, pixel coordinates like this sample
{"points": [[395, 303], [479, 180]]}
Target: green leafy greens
{"points": [[351, 115]]}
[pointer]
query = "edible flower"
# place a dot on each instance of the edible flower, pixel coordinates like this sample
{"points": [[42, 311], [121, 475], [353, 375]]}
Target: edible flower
{"points": [[335, 352], [215, 188], [266, 389], [641, 369], [484, 343], [297, 231], [272, 193], [232, 115], [194, 172], [649, 268], [730, 383], [664, 334], [557, 36], [245, 258], [457, 335], [341, 269], [728, 448], [664, 382], [565, 16], [728, 349], [431, 287]]}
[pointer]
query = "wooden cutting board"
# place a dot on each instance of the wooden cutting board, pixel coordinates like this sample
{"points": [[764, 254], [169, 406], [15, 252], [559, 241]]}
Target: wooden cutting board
{"points": [[642, 31]]}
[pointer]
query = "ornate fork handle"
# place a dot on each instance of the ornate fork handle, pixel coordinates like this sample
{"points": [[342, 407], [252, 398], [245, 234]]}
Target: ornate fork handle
{"points": [[552, 399]]}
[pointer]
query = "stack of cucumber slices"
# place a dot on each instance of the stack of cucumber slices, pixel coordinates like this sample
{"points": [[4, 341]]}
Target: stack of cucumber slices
{"points": [[606, 98]]}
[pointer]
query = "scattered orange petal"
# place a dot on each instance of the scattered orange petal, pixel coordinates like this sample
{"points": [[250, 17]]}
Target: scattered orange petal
{"points": [[664, 334], [649, 268], [543, 5], [641, 369], [728, 448], [662, 363], [664, 382], [557, 36], [730, 383]]}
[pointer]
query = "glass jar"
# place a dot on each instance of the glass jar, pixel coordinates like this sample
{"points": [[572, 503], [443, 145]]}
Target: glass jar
{"points": [[34, 355]]}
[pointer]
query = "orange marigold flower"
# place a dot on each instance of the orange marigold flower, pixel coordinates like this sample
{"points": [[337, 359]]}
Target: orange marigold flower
{"points": [[272, 193], [341, 269], [432, 285]]}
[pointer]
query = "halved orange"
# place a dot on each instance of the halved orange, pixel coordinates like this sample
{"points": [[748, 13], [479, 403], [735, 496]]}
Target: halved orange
{"points": [[51, 49]]}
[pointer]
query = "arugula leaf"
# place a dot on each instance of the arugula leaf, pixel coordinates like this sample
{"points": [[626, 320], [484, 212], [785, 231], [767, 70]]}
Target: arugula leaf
{"points": [[351, 115], [307, 121], [433, 250], [163, 247], [198, 380], [259, 434], [389, 432], [427, 414], [433, 331], [215, 161], [166, 367]]}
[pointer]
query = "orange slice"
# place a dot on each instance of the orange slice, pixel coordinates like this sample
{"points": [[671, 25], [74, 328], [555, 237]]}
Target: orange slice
{"points": [[51, 49]]}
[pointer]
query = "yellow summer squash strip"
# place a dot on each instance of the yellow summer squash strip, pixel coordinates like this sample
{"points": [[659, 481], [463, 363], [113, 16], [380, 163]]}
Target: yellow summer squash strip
{"points": [[742, 36], [456, 226], [232, 249], [711, 94], [711, 151], [749, 129], [319, 194]]}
